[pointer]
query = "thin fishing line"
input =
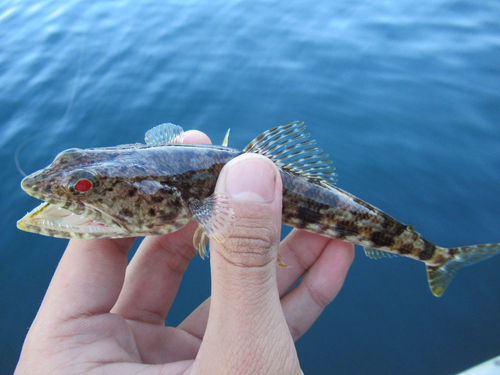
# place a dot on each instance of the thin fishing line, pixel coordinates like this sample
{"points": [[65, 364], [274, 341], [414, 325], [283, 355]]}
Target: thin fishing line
{"points": [[65, 115], [75, 83], [21, 146]]}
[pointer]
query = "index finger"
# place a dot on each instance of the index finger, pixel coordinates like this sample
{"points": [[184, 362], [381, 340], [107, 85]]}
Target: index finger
{"points": [[325, 263], [88, 279], [91, 273]]}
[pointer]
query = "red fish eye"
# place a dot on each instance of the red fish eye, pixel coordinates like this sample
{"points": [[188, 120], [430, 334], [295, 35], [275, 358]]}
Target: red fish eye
{"points": [[83, 185]]}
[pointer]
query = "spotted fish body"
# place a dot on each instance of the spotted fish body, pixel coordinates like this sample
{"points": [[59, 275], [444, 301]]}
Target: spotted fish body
{"points": [[140, 190], [134, 199]]}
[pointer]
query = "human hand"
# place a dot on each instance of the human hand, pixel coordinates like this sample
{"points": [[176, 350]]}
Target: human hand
{"points": [[101, 317]]}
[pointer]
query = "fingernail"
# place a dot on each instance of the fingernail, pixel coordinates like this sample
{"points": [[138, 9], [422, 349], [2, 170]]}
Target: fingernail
{"points": [[250, 177]]}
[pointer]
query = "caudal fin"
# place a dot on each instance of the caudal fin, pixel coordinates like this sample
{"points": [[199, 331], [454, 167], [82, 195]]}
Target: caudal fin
{"points": [[440, 276]]}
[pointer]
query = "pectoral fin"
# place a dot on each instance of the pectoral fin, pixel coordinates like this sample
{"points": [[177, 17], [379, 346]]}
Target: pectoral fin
{"points": [[215, 218]]}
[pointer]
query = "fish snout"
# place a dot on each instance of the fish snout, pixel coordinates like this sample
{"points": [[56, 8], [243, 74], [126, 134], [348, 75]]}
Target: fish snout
{"points": [[27, 183], [31, 183]]}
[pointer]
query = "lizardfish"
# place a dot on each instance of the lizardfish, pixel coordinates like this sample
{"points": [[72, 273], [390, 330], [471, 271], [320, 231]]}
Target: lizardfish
{"points": [[158, 187]]}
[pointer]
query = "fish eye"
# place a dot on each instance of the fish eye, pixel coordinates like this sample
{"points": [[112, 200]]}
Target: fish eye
{"points": [[82, 181]]}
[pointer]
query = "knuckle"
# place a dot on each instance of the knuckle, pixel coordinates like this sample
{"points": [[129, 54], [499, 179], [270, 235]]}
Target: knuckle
{"points": [[320, 299], [295, 331], [252, 243], [250, 236]]}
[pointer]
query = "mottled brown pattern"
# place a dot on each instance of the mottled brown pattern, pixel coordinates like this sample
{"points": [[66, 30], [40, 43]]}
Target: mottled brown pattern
{"points": [[153, 196], [140, 190], [427, 252], [137, 199], [348, 218]]}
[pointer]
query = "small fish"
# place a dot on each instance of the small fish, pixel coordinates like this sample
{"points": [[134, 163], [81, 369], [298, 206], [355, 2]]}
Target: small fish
{"points": [[157, 188]]}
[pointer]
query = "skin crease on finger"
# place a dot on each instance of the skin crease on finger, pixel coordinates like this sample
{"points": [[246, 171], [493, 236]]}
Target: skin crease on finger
{"points": [[245, 314], [74, 331]]}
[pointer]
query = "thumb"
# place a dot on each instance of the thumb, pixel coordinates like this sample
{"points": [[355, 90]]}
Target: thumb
{"points": [[246, 330]]}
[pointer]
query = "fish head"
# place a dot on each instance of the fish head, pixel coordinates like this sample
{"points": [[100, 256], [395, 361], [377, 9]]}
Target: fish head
{"points": [[103, 193]]}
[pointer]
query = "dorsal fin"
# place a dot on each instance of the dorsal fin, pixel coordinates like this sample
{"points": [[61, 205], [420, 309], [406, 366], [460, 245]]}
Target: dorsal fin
{"points": [[292, 150], [164, 134]]}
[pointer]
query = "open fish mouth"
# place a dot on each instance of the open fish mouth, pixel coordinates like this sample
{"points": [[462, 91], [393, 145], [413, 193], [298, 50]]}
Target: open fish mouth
{"points": [[55, 221]]}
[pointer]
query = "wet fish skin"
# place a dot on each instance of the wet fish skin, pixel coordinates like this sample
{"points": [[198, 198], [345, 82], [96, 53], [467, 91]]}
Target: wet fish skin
{"points": [[139, 190], [139, 198], [338, 214]]}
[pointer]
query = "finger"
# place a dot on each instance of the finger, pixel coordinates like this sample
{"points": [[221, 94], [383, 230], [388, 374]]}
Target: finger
{"points": [[88, 279], [320, 285], [196, 137], [155, 273], [196, 323], [299, 251], [303, 252], [245, 312]]}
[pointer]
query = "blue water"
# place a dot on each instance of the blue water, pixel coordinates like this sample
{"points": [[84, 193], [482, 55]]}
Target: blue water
{"points": [[404, 95]]}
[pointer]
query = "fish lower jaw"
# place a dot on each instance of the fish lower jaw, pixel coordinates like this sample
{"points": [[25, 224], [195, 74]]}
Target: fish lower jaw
{"points": [[54, 221]]}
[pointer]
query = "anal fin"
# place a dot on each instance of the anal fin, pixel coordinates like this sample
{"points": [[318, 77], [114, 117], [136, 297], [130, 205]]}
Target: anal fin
{"points": [[377, 254]]}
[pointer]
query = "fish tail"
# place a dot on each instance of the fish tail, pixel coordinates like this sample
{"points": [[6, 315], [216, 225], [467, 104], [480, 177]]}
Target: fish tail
{"points": [[440, 276]]}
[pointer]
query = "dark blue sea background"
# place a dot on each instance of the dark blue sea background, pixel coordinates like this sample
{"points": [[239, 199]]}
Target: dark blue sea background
{"points": [[404, 96]]}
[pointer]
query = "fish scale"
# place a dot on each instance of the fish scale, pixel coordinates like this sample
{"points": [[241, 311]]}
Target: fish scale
{"points": [[157, 188]]}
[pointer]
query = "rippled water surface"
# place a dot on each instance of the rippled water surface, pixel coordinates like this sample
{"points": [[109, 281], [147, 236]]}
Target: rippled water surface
{"points": [[403, 95]]}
